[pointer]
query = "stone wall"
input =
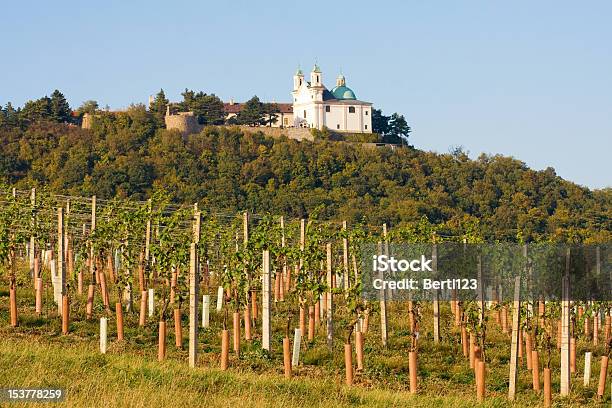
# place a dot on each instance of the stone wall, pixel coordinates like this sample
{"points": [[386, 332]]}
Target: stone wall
{"points": [[291, 133], [184, 122]]}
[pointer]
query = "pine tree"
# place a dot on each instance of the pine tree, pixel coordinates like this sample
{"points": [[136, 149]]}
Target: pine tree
{"points": [[398, 128], [158, 108], [59, 108], [252, 113]]}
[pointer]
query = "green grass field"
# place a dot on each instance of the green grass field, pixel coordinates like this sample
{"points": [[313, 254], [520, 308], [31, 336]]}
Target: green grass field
{"points": [[35, 354]]}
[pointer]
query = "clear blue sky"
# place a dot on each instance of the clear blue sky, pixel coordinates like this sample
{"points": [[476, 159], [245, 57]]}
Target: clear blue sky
{"points": [[530, 79]]}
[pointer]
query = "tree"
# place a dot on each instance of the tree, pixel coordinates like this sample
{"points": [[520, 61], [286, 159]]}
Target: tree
{"points": [[380, 122], [89, 106], [158, 108], [36, 110], [270, 111], [208, 109], [398, 128], [252, 113], [59, 108]]}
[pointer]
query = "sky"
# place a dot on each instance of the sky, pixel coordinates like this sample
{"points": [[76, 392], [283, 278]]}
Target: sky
{"points": [[528, 79]]}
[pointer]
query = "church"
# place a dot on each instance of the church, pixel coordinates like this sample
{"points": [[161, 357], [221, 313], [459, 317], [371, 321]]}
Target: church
{"points": [[314, 106]]}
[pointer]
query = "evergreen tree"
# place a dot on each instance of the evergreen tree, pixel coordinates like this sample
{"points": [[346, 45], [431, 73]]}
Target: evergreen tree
{"points": [[398, 128], [252, 113], [271, 111], [11, 116], [59, 108], [158, 108], [380, 122], [208, 108], [36, 110]]}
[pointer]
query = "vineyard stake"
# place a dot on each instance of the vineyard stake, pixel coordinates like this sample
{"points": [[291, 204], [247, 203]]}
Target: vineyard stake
{"points": [[265, 317], [194, 283], [345, 258], [143, 308], [32, 251], [60, 270], [565, 330], [436, 296], [383, 306], [514, 347], [330, 300]]}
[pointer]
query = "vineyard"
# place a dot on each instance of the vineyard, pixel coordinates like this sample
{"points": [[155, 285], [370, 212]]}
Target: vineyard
{"points": [[271, 305]]}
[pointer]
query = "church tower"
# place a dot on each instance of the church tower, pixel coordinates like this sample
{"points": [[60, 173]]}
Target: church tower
{"points": [[298, 79], [316, 78]]}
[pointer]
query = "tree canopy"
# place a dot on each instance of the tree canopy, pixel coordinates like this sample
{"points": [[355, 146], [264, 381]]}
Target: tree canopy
{"points": [[124, 155]]}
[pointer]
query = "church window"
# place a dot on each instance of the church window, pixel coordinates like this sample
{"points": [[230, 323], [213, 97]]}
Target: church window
{"points": [[327, 108], [304, 114], [337, 126], [366, 127], [351, 109], [366, 113]]}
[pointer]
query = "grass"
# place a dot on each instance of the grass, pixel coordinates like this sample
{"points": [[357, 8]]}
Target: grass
{"points": [[35, 354]]}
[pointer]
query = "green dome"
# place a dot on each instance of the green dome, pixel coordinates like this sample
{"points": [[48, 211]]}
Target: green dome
{"points": [[343, 92]]}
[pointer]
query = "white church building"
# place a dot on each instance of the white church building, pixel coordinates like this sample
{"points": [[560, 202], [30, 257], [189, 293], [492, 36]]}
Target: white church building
{"points": [[314, 106]]}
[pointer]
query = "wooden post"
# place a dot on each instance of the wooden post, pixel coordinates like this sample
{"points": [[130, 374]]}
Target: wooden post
{"points": [[389, 291], [265, 317], [565, 330], [383, 306], [345, 259], [516, 311], [197, 226], [32, 252], [61, 270], [436, 295], [330, 300], [194, 284], [92, 263], [480, 289]]}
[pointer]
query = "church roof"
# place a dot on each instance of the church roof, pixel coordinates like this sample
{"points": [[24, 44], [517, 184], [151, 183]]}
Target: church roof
{"points": [[343, 92], [237, 107]]}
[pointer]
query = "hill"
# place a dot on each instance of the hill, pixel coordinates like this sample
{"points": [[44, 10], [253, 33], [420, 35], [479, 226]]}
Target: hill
{"points": [[226, 168]]}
